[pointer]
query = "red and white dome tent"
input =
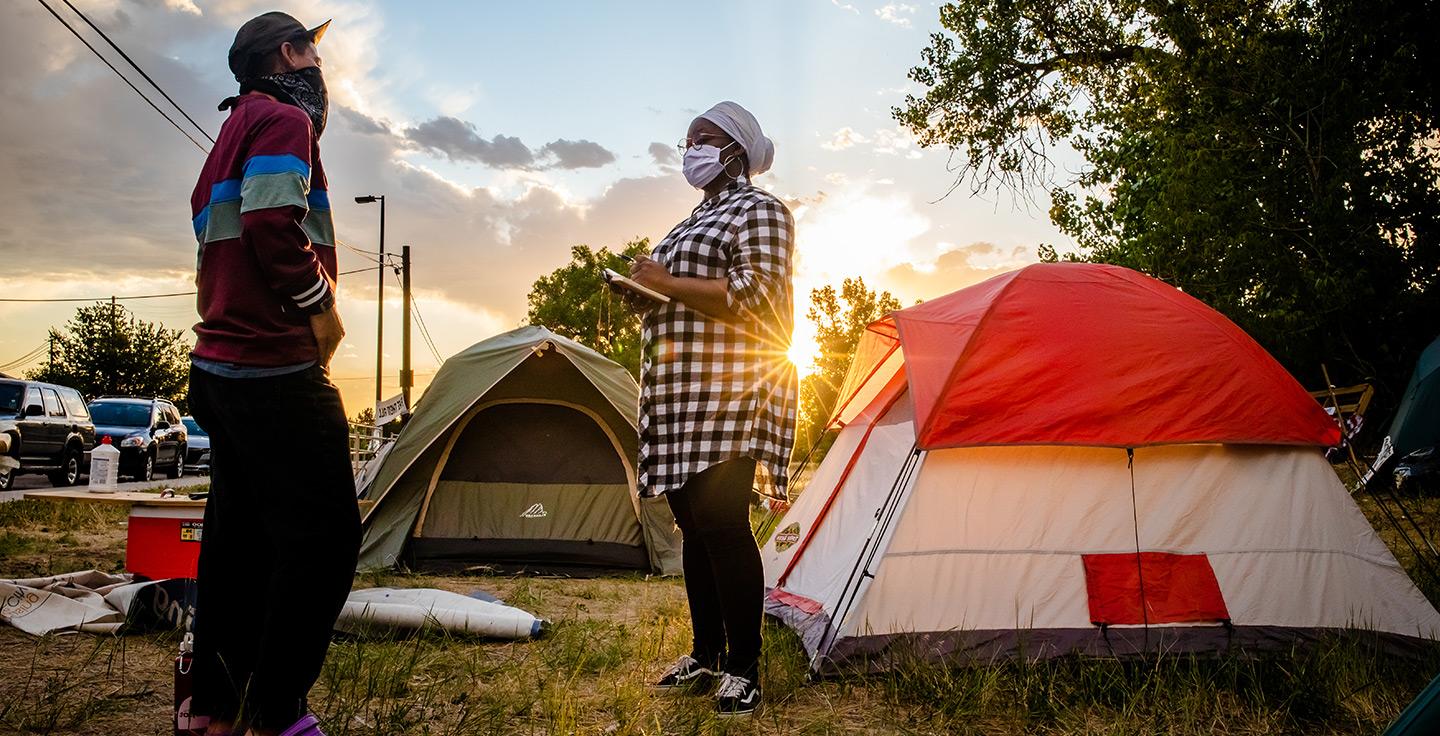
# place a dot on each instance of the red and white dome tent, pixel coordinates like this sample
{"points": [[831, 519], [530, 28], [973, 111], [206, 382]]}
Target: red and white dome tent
{"points": [[1076, 458]]}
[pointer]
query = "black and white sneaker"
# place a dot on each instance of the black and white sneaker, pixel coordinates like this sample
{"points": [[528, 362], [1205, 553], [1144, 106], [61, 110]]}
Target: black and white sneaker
{"points": [[686, 673], [737, 696]]}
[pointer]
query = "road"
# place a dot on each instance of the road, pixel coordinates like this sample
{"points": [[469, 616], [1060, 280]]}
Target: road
{"points": [[27, 483]]}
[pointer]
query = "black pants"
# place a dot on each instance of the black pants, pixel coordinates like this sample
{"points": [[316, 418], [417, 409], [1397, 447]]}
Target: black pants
{"points": [[281, 537], [724, 579]]}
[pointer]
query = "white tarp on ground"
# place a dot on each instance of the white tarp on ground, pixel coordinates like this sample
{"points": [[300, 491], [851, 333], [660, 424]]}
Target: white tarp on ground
{"points": [[99, 603], [89, 601]]}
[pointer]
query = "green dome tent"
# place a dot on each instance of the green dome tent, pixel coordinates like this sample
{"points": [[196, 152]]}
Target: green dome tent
{"points": [[520, 455], [1417, 422]]}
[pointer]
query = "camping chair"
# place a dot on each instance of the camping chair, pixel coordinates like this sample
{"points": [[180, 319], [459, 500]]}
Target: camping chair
{"points": [[1347, 406]]}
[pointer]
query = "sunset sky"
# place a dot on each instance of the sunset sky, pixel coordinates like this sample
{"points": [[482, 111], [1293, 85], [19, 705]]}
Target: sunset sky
{"points": [[501, 134]]}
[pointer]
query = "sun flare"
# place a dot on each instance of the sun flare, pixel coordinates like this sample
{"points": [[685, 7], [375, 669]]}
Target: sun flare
{"points": [[803, 348]]}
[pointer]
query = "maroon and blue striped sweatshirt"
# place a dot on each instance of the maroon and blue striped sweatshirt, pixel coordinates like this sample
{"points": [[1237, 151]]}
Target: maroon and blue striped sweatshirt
{"points": [[266, 240]]}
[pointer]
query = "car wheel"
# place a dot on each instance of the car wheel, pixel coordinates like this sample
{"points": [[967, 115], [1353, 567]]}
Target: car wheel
{"points": [[178, 469], [69, 472], [147, 471], [7, 479]]}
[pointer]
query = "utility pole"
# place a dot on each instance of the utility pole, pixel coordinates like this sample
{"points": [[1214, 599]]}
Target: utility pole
{"points": [[52, 354], [407, 376]]}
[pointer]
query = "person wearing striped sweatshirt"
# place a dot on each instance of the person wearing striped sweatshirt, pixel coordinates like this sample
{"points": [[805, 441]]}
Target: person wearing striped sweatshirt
{"points": [[282, 529]]}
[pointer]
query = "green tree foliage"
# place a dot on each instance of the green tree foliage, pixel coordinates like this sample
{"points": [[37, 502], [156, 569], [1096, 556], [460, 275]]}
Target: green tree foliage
{"points": [[1275, 159], [574, 301], [840, 319], [106, 350]]}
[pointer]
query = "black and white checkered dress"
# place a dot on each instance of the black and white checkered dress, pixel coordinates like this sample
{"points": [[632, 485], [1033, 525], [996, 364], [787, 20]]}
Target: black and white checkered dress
{"points": [[713, 391]]}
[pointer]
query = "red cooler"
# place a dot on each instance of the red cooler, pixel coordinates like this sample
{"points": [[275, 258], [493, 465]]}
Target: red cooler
{"points": [[164, 542]]}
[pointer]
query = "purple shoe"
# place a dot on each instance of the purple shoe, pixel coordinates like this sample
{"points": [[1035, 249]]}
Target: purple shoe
{"points": [[308, 725]]}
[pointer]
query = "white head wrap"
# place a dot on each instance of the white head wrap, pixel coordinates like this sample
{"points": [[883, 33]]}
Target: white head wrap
{"points": [[738, 123]]}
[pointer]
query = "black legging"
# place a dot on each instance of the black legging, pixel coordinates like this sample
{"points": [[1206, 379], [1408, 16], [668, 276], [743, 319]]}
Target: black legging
{"points": [[724, 579]]}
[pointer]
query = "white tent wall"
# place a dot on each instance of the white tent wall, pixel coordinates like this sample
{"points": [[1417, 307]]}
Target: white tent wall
{"points": [[984, 556], [831, 549], [1288, 544], [991, 538]]}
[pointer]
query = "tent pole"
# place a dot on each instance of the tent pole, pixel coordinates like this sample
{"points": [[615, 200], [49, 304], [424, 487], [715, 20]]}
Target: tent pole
{"points": [[883, 516], [1139, 564]]}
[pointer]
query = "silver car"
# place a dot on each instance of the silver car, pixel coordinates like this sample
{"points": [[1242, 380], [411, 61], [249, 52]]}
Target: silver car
{"points": [[197, 456]]}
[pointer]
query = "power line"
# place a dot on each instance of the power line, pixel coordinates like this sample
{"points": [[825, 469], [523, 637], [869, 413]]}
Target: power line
{"points": [[147, 296], [28, 357], [425, 331], [420, 322], [368, 255], [103, 298], [127, 81], [132, 63]]}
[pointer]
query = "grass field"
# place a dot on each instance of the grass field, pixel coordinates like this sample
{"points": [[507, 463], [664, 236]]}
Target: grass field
{"points": [[612, 635]]}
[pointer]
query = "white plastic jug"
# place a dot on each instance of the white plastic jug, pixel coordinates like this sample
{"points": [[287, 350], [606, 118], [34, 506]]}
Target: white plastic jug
{"points": [[104, 468]]}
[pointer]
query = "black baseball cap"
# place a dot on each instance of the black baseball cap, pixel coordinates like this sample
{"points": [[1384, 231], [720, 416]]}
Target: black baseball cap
{"points": [[264, 33]]}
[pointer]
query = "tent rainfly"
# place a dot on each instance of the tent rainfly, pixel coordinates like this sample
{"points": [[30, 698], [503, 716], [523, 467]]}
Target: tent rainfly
{"points": [[1417, 422], [521, 455], [1075, 458]]}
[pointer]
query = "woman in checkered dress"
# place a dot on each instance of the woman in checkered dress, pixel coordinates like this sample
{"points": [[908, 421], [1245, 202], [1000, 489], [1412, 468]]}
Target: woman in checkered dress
{"points": [[718, 392]]}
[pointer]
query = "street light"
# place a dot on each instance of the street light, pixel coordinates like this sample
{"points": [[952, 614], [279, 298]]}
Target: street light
{"points": [[379, 297]]}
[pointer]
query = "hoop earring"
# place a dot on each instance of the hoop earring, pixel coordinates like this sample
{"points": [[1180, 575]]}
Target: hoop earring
{"points": [[725, 167]]}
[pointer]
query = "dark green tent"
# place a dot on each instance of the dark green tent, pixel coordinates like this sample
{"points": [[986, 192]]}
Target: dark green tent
{"points": [[520, 455], [1417, 423]]}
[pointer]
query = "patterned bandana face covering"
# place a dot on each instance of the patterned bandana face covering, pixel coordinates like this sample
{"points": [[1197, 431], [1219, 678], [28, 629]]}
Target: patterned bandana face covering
{"points": [[303, 88]]}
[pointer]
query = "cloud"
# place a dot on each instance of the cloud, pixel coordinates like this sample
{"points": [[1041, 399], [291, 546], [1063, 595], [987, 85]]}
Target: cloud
{"points": [[576, 154], [955, 268], [184, 6], [360, 122], [884, 141], [895, 142], [894, 13], [844, 6], [458, 140], [844, 138], [664, 155]]}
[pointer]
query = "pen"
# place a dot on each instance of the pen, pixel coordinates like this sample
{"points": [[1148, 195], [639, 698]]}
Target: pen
{"points": [[626, 258]]}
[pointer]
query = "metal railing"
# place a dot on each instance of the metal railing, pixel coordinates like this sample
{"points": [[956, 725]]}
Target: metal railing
{"points": [[366, 445]]}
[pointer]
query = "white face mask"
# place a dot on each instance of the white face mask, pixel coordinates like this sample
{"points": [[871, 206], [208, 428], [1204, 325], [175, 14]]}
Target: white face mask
{"points": [[702, 164]]}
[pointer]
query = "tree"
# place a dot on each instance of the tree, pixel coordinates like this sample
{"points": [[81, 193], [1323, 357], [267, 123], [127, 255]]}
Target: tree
{"points": [[1275, 159], [106, 350], [575, 302], [840, 320]]}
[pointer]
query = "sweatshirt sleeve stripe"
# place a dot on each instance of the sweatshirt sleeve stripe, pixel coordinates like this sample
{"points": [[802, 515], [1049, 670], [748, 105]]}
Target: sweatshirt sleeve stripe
{"points": [[316, 295], [282, 189], [277, 164]]}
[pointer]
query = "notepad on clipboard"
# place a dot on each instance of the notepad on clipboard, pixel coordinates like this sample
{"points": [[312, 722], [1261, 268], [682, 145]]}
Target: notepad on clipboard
{"points": [[612, 277]]}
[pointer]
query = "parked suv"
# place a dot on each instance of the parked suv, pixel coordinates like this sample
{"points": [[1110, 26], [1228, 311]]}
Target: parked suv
{"points": [[46, 429], [148, 433]]}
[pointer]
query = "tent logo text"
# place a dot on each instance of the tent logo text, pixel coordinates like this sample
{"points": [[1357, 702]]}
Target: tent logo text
{"points": [[536, 511], [787, 537]]}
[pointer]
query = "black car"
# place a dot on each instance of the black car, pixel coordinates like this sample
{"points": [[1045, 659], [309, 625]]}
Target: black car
{"points": [[148, 433], [44, 428], [198, 459]]}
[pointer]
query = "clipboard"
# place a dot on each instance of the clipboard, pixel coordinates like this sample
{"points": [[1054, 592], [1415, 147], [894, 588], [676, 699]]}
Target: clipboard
{"points": [[612, 277]]}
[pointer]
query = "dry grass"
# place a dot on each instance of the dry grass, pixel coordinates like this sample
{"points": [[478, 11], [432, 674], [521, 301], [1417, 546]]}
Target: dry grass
{"points": [[611, 636]]}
